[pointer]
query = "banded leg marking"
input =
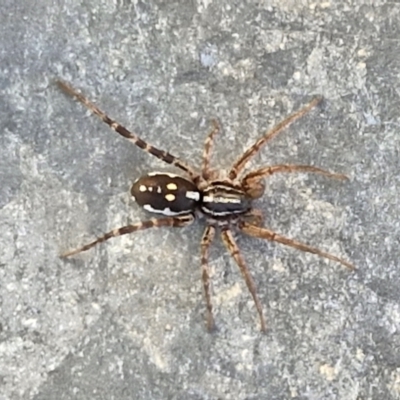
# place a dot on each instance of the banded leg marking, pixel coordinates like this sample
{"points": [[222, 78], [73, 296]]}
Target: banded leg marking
{"points": [[206, 241], [208, 145], [233, 249], [291, 168], [132, 137], [243, 160], [263, 233], [176, 222], [254, 185]]}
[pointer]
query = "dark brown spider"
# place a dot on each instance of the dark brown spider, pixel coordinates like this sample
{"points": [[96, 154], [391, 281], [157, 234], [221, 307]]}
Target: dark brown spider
{"points": [[226, 202]]}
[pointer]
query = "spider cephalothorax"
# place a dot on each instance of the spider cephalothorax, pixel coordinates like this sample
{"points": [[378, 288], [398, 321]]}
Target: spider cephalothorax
{"points": [[225, 203]]}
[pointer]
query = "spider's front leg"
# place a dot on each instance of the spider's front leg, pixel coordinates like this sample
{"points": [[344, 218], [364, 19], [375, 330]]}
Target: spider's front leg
{"points": [[263, 233], [253, 150], [206, 172], [255, 217], [176, 222], [254, 186]]}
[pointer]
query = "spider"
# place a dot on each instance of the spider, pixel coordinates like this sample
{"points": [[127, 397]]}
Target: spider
{"points": [[225, 200]]}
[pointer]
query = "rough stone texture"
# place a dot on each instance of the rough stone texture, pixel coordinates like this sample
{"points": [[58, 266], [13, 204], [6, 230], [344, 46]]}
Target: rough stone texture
{"points": [[126, 320]]}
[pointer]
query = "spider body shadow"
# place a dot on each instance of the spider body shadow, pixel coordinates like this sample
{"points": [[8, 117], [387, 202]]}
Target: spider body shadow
{"points": [[226, 203]]}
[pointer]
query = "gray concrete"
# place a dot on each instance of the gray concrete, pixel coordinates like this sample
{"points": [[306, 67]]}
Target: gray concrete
{"points": [[126, 320]]}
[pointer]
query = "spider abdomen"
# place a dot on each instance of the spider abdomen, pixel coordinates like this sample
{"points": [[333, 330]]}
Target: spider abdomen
{"points": [[221, 199], [166, 193]]}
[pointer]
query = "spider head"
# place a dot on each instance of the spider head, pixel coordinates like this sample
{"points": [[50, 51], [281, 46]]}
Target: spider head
{"points": [[253, 186], [224, 199]]}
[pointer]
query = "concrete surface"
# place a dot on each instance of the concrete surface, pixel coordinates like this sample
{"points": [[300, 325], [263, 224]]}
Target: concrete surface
{"points": [[126, 320]]}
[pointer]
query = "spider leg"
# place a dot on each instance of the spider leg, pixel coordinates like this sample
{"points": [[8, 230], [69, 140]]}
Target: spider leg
{"points": [[254, 186], [132, 137], [263, 233], [255, 217], [242, 161], [208, 145], [175, 222], [233, 249], [206, 240], [292, 168]]}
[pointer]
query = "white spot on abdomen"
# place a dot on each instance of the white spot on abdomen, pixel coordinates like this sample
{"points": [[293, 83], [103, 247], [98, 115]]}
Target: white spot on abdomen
{"points": [[163, 173], [193, 195], [165, 211]]}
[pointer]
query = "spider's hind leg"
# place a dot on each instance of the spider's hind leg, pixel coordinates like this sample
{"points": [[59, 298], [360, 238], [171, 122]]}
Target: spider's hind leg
{"points": [[132, 137], [175, 222]]}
